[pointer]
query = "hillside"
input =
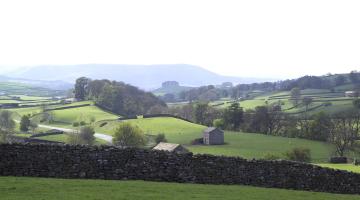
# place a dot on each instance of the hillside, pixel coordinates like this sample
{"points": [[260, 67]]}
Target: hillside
{"points": [[144, 76], [17, 88]]}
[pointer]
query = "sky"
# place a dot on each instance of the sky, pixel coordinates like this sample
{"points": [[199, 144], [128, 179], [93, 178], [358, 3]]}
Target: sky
{"points": [[254, 38]]}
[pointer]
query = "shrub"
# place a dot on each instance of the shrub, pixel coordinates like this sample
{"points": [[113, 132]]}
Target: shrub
{"points": [[219, 123], [76, 124], [338, 160], [270, 156], [197, 141], [25, 123], [103, 124], [84, 136], [82, 123], [356, 162], [299, 154], [160, 138], [127, 135]]}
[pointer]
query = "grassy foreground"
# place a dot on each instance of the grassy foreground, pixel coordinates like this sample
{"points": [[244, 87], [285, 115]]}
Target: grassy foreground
{"points": [[346, 167], [14, 188]]}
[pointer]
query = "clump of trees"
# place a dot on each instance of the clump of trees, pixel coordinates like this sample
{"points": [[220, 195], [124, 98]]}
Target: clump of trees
{"points": [[118, 97], [128, 135], [7, 125], [299, 154]]}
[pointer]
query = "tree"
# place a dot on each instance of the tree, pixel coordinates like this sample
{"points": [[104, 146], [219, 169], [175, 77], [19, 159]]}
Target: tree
{"points": [[7, 124], [344, 131], [200, 112], [127, 135], [84, 136], [354, 76], [340, 80], [81, 88], [320, 127], [160, 138], [299, 154], [219, 123], [25, 123], [295, 95], [233, 116]]}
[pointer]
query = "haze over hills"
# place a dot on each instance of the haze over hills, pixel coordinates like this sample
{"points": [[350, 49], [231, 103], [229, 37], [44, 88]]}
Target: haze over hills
{"points": [[50, 84], [143, 76]]}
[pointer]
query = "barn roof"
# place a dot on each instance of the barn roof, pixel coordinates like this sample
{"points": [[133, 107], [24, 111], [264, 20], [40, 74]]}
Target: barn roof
{"points": [[162, 146], [210, 129]]}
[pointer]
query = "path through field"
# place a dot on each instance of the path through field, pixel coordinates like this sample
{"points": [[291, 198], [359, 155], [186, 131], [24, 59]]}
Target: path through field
{"points": [[102, 136]]}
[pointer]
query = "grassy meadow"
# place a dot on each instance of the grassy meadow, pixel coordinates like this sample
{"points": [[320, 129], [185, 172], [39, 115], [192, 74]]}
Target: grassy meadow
{"points": [[16, 188]]}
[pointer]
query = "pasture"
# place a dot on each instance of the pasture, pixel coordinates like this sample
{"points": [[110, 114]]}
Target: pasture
{"points": [[247, 145], [16, 188]]}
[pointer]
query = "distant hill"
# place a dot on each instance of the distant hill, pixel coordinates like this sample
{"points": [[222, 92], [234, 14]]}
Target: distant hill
{"points": [[144, 76], [51, 84], [14, 88]]}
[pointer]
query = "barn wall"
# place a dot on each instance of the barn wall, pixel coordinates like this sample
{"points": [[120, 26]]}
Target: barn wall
{"points": [[65, 161]]}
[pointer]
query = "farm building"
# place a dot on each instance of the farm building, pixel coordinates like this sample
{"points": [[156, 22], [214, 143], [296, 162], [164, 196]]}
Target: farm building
{"points": [[176, 148], [351, 94], [213, 136]]}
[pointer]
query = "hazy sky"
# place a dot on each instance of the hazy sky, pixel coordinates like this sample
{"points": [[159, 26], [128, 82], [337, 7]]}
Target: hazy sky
{"points": [[244, 38]]}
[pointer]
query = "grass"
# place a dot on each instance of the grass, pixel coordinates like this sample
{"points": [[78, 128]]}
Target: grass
{"points": [[16, 188], [247, 145], [175, 130], [346, 167], [81, 114], [251, 145]]}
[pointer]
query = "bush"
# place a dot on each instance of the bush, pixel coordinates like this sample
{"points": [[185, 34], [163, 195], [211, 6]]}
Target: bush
{"points": [[197, 141], [270, 156], [25, 123], [338, 160], [127, 135], [160, 138], [356, 162], [82, 123], [299, 154], [219, 123], [76, 124], [84, 136]]}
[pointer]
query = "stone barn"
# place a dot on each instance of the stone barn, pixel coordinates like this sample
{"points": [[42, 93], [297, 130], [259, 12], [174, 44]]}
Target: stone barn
{"points": [[213, 136], [176, 148]]}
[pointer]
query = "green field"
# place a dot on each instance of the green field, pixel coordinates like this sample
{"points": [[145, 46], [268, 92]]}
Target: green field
{"points": [[16, 188], [63, 138], [14, 88], [247, 145], [346, 167]]}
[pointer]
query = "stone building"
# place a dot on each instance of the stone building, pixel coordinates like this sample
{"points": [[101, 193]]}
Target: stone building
{"points": [[213, 136], [176, 148]]}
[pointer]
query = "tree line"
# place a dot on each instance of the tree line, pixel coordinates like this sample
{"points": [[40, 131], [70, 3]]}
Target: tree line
{"points": [[117, 97]]}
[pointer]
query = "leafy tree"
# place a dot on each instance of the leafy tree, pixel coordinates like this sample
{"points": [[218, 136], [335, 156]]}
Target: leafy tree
{"points": [[354, 76], [160, 138], [84, 136], [7, 124], [219, 123], [81, 88], [127, 135], [25, 123], [299, 154], [340, 80], [200, 112], [344, 131], [295, 95], [233, 116], [320, 127]]}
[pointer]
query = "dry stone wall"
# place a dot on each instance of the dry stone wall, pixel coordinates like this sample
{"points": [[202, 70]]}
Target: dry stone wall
{"points": [[106, 162]]}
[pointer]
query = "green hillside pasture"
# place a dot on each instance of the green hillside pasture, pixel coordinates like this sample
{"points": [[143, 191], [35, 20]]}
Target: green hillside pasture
{"points": [[251, 145], [19, 188], [81, 114], [22, 89], [175, 130], [346, 167], [248, 145]]}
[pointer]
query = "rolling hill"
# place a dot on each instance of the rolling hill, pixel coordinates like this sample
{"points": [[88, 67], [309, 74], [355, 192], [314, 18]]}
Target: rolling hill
{"points": [[144, 76]]}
